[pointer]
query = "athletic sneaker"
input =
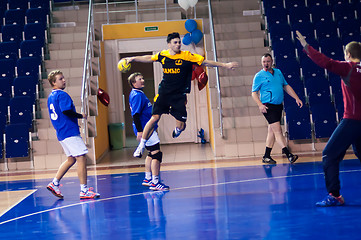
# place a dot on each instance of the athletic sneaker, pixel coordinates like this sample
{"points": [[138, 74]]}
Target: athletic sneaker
{"points": [[89, 194], [331, 201], [54, 189], [268, 160], [139, 151], [292, 158], [158, 187], [146, 182], [176, 132]]}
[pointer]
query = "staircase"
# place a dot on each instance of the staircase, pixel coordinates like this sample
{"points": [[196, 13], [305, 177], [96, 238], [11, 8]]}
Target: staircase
{"points": [[66, 50], [238, 38]]}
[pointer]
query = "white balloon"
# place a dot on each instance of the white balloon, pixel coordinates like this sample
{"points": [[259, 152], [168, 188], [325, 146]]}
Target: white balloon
{"points": [[184, 4], [192, 3]]}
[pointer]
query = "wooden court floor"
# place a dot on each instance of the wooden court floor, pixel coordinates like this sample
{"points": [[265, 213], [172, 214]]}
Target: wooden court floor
{"points": [[209, 199]]}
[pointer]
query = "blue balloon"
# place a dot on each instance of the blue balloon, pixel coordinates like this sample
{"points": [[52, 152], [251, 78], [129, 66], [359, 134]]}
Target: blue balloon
{"points": [[197, 36], [187, 39], [190, 25]]}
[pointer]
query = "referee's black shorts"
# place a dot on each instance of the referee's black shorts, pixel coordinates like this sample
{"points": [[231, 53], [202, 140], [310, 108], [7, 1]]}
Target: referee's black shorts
{"points": [[174, 104], [274, 112]]}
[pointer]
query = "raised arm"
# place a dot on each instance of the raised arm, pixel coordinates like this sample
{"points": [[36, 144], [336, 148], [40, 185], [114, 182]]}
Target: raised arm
{"points": [[229, 65], [142, 59]]}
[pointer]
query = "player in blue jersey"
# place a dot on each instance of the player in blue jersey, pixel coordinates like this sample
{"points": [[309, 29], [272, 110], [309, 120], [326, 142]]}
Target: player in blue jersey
{"points": [[176, 83], [64, 118], [141, 110], [267, 92]]}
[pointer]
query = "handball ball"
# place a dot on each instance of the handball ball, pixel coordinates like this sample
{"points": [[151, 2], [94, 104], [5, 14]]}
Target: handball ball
{"points": [[123, 66]]}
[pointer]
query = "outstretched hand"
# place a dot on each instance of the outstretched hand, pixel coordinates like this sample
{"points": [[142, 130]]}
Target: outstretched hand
{"points": [[232, 65], [301, 38]]}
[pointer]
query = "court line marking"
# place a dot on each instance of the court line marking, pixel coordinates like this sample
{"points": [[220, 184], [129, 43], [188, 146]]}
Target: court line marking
{"points": [[181, 188], [9, 208]]}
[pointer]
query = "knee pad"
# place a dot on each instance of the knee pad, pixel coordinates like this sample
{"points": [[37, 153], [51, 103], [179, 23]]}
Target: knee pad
{"points": [[158, 156]]}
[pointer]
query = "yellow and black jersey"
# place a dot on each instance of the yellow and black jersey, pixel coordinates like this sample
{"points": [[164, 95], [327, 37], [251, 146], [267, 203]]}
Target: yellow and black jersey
{"points": [[177, 70]]}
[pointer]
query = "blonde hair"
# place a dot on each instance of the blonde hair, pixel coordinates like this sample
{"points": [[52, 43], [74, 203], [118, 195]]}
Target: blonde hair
{"points": [[51, 76], [131, 78], [354, 48]]}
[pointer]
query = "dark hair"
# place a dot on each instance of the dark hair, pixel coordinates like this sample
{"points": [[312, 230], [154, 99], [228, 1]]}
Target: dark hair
{"points": [[172, 36], [131, 78], [354, 48], [267, 55], [52, 76]]}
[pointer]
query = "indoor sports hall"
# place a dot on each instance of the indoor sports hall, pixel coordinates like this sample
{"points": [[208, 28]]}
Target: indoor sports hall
{"points": [[219, 186]]}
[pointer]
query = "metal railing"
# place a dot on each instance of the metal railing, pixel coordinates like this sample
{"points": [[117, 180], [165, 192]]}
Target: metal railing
{"points": [[87, 71], [218, 85]]}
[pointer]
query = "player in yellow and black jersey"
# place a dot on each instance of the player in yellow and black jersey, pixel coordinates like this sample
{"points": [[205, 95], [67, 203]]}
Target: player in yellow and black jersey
{"points": [[176, 83]]}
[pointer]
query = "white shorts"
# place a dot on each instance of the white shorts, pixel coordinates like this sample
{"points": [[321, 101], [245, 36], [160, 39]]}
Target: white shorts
{"points": [[74, 146], [154, 139]]}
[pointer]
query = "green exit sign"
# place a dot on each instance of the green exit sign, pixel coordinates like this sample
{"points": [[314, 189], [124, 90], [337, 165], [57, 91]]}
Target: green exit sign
{"points": [[151, 29]]}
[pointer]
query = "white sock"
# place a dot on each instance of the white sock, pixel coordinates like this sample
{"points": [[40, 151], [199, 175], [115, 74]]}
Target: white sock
{"points": [[83, 187], [148, 175], [155, 179], [56, 181]]}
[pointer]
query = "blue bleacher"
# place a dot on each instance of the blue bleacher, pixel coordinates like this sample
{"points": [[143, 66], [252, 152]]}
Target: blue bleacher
{"points": [[17, 140], [298, 121], [324, 119]]}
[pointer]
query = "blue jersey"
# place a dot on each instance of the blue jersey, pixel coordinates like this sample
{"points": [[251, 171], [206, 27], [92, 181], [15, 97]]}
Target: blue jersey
{"points": [[59, 101], [139, 103], [270, 86]]}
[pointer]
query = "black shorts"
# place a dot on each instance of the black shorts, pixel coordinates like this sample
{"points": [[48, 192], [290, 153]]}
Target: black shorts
{"points": [[274, 112], [174, 104], [153, 147]]}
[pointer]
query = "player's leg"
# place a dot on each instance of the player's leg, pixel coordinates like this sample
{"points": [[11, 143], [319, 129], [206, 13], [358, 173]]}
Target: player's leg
{"points": [[147, 132], [54, 186], [148, 172], [346, 133], [179, 112], [270, 140]]}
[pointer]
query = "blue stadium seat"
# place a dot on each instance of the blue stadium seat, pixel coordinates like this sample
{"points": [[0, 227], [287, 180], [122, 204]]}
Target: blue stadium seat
{"points": [[295, 4], [37, 15], [7, 68], [348, 30], [280, 32], [344, 11], [332, 47], [272, 4], [12, 33], [15, 17], [316, 84], [324, 118], [31, 48], [283, 50], [319, 97], [290, 102], [5, 87], [45, 4], [9, 50], [309, 68], [35, 31], [18, 4], [21, 110], [299, 125], [299, 15], [17, 141], [339, 104], [322, 13], [276, 16], [28, 66], [326, 29], [1, 145], [290, 68], [335, 82], [311, 3], [25, 86]]}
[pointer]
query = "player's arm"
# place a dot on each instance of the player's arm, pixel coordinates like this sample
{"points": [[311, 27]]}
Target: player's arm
{"points": [[289, 90], [229, 65], [262, 108], [72, 114], [142, 59]]}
